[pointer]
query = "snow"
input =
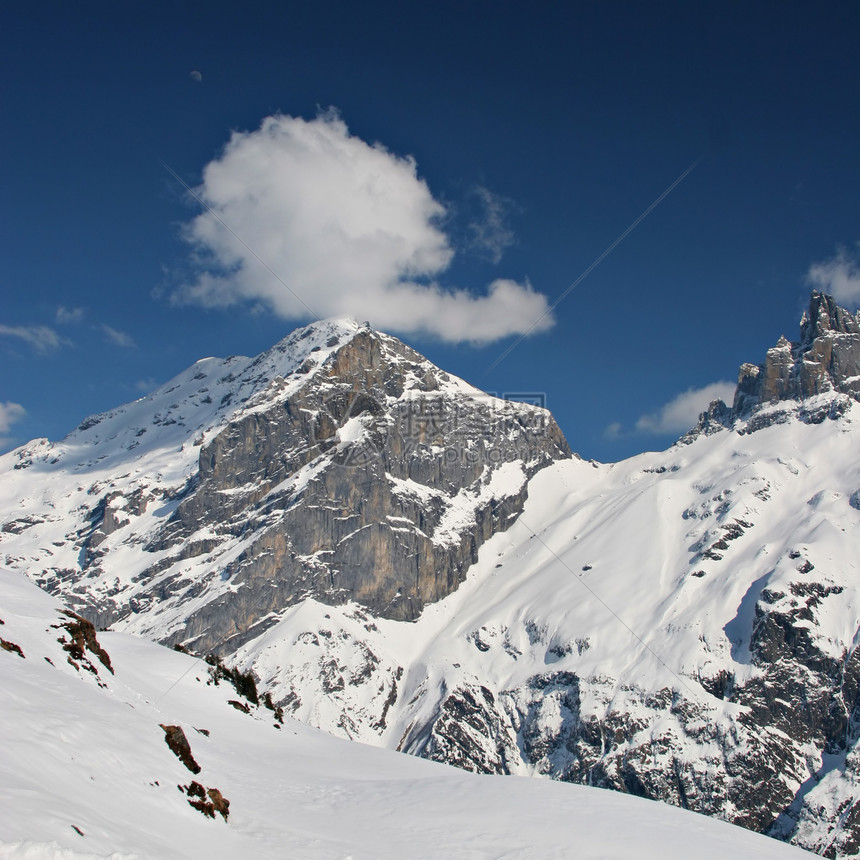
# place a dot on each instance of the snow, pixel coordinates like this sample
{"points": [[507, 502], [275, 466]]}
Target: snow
{"points": [[611, 572], [506, 480], [597, 577], [353, 429], [94, 758]]}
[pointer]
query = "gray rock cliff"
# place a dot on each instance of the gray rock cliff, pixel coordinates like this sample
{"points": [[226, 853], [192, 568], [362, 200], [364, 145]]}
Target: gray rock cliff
{"points": [[825, 360]]}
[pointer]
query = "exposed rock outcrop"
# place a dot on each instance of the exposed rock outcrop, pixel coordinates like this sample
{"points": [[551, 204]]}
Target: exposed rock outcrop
{"points": [[175, 738], [825, 360]]}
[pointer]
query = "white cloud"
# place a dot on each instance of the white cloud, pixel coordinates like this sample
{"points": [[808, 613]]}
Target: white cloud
{"points": [[40, 337], [490, 234], [68, 316], [9, 414], [343, 228], [682, 412], [839, 276], [117, 338]]}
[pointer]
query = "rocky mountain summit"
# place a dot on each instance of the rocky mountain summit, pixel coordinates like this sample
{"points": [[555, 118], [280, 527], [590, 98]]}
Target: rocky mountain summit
{"points": [[401, 560], [340, 465], [824, 361]]}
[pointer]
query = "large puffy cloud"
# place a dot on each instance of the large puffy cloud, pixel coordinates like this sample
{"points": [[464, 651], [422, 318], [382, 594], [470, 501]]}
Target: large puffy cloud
{"points": [[839, 276], [682, 412], [308, 219]]}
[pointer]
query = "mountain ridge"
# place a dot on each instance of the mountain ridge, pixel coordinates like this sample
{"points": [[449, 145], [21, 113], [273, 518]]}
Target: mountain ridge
{"points": [[681, 625]]}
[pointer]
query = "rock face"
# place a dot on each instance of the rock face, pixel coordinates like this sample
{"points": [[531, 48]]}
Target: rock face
{"points": [[373, 483], [352, 469], [824, 361]]}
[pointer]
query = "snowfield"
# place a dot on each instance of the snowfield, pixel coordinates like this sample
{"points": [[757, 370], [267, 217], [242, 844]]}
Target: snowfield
{"points": [[85, 773]]}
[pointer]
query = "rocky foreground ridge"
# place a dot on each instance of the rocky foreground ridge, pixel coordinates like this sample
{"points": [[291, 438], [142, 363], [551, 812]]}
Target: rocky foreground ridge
{"points": [[400, 560]]}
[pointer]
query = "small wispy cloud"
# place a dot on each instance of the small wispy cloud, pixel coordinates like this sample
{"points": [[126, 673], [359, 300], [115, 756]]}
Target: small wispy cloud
{"points": [[144, 386], [117, 338], [678, 415], [490, 234], [9, 414], [41, 338], [838, 276], [68, 316], [682, 412]]}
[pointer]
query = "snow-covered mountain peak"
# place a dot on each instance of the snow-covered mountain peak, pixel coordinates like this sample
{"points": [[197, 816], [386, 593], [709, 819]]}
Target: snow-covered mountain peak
{"points": [[311, 465], [180, 414]]}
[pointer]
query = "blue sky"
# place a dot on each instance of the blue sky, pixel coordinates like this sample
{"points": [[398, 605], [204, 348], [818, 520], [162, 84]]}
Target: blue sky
{"points": [[515, 145]]}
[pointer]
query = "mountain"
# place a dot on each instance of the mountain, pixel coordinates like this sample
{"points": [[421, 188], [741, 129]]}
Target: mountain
{"points": [[826, 359], [401, 560], [92, 725], [340, 465]]}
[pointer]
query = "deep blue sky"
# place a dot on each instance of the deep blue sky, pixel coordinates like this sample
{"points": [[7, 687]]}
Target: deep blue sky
{"points": [[577, 114]]}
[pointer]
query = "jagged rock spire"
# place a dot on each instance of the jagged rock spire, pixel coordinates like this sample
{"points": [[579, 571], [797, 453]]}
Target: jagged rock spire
{"points": [[825, 359], [824, 316]]}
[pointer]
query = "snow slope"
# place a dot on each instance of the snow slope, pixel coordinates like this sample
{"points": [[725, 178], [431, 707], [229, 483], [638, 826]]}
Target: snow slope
{"points": [[625, 601], [616, 557], [85, 773]]}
